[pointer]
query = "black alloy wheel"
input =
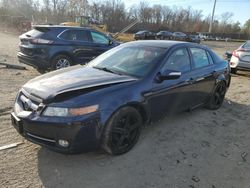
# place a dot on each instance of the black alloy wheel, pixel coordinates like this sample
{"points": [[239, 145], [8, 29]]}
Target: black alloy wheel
{"points": [[122, 131], [217, 97]]}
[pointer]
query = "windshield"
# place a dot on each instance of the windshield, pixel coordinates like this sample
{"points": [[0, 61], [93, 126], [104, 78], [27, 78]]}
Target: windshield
{"points": [[133, 61]]}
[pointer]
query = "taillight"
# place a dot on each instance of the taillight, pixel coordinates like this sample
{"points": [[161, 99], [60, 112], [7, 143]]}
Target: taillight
{"points": [[40, 41], [235, 53]]}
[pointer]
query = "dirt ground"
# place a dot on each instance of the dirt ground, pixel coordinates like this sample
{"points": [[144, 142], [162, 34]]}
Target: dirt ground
{"points": [[202, 148]]}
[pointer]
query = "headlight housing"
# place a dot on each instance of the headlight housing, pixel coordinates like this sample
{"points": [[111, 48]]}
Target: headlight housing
{"points": [[67, 112]]}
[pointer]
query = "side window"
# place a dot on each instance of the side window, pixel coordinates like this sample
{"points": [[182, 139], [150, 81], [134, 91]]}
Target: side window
{"points": [[200, 58], [178, 61], [99, 38], [75, 35]]}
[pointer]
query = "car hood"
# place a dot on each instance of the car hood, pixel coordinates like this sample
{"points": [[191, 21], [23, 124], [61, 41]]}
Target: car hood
{"points": [[49, 85]]}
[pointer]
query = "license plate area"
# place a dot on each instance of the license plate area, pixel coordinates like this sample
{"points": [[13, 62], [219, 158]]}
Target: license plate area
{"points": [[17, 123]]}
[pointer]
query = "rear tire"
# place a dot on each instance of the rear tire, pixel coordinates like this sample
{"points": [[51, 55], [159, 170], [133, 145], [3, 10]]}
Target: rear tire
{"points": [[61, 61], [217, 97], [122, 131]]}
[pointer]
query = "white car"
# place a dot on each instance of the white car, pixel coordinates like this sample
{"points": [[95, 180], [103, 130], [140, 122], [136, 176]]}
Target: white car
{"points": [[241, 58]]}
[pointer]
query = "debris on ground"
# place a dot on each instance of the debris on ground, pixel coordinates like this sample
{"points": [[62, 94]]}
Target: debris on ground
{"points": [[243, 156], [194, 155], [8, 146], [195, 179], [12, 66], [182, 152], [5, 111]]}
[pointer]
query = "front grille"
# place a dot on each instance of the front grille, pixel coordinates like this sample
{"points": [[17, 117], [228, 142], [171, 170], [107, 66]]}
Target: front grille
{"points": [[27, 104]]}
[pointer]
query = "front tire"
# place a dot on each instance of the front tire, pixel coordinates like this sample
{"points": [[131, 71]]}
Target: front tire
{"points": [[122, 131], [217, 97], [61, 61]]}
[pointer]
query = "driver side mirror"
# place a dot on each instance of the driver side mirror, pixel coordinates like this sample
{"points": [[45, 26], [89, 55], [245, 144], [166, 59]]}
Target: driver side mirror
{"points": [[110, 42], [167, 75]]}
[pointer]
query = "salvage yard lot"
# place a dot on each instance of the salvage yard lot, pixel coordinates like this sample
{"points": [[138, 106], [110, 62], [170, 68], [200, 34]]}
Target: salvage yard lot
{"points": [[201, 148]]}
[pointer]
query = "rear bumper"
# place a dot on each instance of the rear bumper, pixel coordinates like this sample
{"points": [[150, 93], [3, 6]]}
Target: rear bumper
{"points": [[82, 134], [236, 63], [34, 61]]}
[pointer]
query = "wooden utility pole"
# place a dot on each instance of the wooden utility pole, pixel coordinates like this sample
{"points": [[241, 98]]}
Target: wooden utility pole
{"points": [[212, 19]]}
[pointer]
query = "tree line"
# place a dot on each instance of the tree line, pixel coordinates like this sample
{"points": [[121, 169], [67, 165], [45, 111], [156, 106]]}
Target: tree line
{"points": [[117, 16]]}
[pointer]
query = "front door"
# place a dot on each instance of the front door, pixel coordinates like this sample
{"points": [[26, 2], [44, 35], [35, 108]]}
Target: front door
{"points": [[171, 96]]}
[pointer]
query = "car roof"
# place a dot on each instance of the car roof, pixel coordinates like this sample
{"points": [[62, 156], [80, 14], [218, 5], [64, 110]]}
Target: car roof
{"points": [[164, 44], [157, 43], [62, 26]]}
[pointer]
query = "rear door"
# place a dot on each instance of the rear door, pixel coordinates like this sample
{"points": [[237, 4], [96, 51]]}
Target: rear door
{"points": [[80, 44], [203, 75]]}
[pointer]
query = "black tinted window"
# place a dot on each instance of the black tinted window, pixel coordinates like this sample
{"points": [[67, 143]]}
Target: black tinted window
{"points": [[99, 38], [178, 61], [77, 35], [200, 58]]}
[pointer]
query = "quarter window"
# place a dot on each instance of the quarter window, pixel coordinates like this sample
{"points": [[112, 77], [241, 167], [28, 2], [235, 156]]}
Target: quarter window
{"points": [[99, 38], [178, 61], [210, 58], [200, 58]]}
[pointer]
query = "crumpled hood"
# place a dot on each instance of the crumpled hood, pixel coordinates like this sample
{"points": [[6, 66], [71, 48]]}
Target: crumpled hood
{"points": [[51, 84]]}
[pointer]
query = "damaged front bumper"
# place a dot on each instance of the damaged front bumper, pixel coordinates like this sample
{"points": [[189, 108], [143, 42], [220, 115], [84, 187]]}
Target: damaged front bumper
{"points": [[80, 133]]}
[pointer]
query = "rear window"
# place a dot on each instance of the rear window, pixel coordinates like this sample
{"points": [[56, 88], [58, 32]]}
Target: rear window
{"points": [[34, 33]]}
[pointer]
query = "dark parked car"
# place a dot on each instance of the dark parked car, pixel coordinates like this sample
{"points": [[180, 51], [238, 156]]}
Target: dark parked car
{"points": [[106, 102], [164, 35], [55, 47], [194, 38], [143, 35], [179, 36]]}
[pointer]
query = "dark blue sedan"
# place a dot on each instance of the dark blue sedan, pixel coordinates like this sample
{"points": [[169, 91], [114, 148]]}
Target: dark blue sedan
{"points": [[105, 103], [48, 47]]}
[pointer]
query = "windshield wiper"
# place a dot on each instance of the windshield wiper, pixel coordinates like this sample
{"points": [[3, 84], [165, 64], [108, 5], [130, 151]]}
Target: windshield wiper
{"points": [[106, 69]]}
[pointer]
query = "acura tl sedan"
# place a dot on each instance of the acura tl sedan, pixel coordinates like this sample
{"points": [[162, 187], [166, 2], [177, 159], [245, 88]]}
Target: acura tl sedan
{"points": [[105, 103]]}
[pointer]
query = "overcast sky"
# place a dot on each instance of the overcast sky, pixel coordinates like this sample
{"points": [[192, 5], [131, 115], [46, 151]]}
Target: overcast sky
{"points": [[240, 8]]}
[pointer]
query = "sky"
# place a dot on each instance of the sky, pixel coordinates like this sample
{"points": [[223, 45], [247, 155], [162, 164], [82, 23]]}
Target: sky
{"points": [[239, 8]]}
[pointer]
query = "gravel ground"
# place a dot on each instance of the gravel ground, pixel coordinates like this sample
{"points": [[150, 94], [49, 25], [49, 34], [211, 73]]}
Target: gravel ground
{"points": [[202, 148]]}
